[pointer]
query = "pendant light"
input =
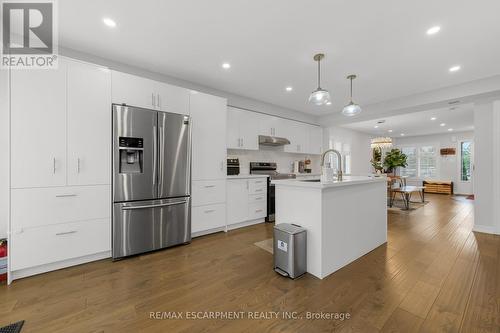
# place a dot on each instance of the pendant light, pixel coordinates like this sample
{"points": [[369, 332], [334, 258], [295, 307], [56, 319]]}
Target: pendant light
{"points": [[352, 108], [381, 142], [319, 96]]}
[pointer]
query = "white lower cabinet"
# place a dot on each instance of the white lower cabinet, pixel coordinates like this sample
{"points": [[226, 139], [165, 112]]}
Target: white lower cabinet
{"points": [[48, 244], [205, 219], [246, 201], [206, 192]]}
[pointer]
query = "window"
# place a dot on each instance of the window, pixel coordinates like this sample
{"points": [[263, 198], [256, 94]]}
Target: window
{"points": [[465, 160], [427, 162], [422, 162]]}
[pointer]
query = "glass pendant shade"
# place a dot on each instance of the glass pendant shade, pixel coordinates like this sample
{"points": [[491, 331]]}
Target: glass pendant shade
{"points": [[319, 97], [351, 109]]}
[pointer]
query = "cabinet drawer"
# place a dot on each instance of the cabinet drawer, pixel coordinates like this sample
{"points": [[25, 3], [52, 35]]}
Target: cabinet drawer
{"points": [[257, 186], [208, 217], [46, 206], [44, 245], [257, 198], [207, 192], [257, 210]]}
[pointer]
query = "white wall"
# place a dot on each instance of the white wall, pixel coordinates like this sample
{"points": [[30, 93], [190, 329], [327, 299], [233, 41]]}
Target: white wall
{"points": [[356, 142], [4, 161], [487, 167], [271, 154], [448, 166]]}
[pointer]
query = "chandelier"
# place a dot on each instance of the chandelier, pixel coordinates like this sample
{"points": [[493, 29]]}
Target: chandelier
{"points": [[381, 142]]}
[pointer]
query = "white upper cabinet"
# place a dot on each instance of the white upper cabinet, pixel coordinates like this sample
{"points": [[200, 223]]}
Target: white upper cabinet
{"points": [[298, 135], [242, 129], [89, 124], [208, 118], [270, 125], [141, 92], [315, 145], [38, 127]]}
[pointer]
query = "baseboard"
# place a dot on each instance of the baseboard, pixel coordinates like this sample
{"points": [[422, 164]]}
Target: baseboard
{"points": [[22, 273], [486, 229], [207, 232], [244, 224]]}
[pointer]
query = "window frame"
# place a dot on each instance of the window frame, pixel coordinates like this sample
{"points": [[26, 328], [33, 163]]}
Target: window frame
{"points": [[418, 147]]}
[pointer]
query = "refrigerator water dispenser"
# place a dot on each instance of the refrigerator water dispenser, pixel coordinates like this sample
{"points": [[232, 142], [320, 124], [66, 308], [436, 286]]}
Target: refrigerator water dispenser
{"points": [[131, 155]]}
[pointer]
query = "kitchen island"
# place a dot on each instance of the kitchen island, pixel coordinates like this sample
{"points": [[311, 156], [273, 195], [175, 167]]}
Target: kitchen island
{"points": [[344, 219]]}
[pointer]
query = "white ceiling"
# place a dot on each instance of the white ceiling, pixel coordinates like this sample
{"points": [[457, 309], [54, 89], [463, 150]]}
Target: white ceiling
{"points": [[460, 118], [270, 44]]}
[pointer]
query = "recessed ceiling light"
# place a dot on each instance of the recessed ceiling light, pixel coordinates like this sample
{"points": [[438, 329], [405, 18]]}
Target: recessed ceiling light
{"points": [[433, 30], [454, 68], [289, 89], [109, 22], [226, 65], [402, 134], [433, 118], [328, 103], [390, 131], [450, 129], [376, 126], [442, 124]]}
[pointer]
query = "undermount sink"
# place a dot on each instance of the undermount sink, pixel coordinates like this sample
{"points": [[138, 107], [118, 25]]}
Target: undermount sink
{"points": [[311, 180]]}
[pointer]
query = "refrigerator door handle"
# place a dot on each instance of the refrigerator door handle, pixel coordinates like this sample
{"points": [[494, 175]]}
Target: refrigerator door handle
{"points": [[161, 157], [154, 206], [155, 153]]}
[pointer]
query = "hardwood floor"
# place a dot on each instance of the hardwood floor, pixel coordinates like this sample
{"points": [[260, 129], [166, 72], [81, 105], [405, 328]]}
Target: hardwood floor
{"points": [[433, 275]]}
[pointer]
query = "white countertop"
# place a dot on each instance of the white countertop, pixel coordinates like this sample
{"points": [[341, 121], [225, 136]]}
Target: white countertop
{"points": [[246, 176], [348, 180]]}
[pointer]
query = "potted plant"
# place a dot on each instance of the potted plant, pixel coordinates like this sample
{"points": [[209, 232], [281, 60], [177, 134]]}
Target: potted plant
{"points": [[394, 159], [376, 160]]}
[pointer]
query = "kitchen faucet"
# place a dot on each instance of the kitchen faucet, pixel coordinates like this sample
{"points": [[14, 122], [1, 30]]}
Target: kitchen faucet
{"points": [[339, 162]]}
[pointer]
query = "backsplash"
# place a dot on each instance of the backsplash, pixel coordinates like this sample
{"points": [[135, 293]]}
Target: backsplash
{"points": [[272, 154]]}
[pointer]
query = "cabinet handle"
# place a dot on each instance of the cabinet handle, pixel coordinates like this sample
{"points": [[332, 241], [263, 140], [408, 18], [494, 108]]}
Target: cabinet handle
{"points": [[242, 142], [222, 166], [54, 165], [209, 186], [210, 211], [259, 182], [258, 190], [159, 101], [65, 195], [153, 99], [258, 210], [78, 165], [66, 233], [259, 198]]}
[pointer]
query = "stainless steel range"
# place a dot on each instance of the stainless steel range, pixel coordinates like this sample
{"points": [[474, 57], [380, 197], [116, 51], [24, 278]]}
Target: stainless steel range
{"points": [[270, 169]]}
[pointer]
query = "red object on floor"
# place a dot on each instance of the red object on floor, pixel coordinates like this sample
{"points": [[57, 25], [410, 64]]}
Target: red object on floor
{"points": [[470, 197], [3, 260]]}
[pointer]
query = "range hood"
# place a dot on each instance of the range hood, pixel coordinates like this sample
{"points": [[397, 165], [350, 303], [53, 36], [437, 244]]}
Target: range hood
{"points": [[267, 140]]}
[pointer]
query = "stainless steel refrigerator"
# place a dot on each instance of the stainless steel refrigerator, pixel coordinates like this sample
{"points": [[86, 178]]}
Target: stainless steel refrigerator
{"points": [[151, 180]]}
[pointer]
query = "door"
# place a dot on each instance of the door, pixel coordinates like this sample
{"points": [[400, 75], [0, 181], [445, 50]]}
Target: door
{"points": [[465, 183], [144, 226], [174, 157], [233, 128], [38, 127], [208, 116], [172, 99], [237, 200], [89, 124], [134, 90], [135, 149], [249, 129]]}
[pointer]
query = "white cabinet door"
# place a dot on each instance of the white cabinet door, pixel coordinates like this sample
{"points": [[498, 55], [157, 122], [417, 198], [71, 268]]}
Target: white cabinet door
{"points": [[233, 139], [134, 90], [249, 130], [208, 217], [315, 145], [267, 124], [89, 124], [237, 201], [208, 115], [172, 99], [298, 135], [38, 127]]}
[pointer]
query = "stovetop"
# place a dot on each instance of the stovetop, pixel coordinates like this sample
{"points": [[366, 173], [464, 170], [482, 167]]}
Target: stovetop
{"points": [[269, 168]]}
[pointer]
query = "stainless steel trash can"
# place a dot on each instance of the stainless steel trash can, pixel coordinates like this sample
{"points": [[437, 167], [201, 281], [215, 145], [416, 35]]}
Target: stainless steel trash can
{"points": [[290, 250]]}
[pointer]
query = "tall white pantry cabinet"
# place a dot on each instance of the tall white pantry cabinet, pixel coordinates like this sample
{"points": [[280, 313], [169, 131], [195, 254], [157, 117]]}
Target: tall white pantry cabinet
{"points": [[60, 167]]}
